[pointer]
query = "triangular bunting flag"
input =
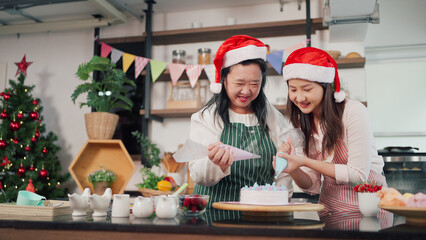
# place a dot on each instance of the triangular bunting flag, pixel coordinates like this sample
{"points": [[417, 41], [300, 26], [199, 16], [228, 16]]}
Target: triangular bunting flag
{"points": [[115, 55], [140, 63], [297, 46], [127, 61], [157, 67], [176, 71], [210, 71], [193, 72], [276, 60], [105, 50]]}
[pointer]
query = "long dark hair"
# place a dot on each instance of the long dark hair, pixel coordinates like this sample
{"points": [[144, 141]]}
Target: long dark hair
{"points": [[330, 122], [222, 102]]}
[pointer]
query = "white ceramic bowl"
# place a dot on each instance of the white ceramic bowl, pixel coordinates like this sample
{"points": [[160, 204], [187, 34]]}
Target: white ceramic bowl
{"points": [[368, 202]]}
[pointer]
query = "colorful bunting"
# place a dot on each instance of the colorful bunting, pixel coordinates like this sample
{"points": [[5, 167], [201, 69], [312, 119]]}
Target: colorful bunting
{"points": [[193, 72], [116, 55], [276, 60], [157, 67], [127, 61], [140, 63], [176, 70], [210, 71], [105, 50]]}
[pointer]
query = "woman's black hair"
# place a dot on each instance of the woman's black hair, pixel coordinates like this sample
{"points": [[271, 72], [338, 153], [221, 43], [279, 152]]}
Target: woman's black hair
{"points": [[258, 105]]}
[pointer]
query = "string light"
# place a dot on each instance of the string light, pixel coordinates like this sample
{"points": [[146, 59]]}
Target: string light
{"points": [[48, 184], [58, 183]]}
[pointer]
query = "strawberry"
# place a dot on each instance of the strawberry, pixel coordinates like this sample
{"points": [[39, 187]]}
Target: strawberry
{"points": [[195, 201], [187, 202], [193, 208]]}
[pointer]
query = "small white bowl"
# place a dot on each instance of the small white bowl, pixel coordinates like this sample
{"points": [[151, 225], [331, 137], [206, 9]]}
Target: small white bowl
{"points": [[368, 203]]}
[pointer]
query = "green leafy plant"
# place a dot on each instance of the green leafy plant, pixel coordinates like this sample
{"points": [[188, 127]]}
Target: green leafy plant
{"points": [[151, 154], [102, 175], [111, 91]]}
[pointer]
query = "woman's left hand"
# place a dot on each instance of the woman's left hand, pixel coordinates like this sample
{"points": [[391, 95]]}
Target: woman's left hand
{"points": [[293, 161]]}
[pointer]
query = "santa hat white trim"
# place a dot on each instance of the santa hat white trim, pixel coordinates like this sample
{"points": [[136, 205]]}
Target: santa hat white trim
{"points": [[238, 55], [309, 72]]}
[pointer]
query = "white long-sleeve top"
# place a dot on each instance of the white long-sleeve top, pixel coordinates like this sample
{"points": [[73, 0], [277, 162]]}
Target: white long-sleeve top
{"points": [[362, 153], [207, 129]]}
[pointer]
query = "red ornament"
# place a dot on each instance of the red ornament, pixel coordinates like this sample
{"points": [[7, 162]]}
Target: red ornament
{"points": [[1, 185], [34, 139], [30, 186], [44, 151], [14, 126], [5, 161], [21, 171], [37, 133], [3, 144], [32, 168], [43, 174], [20, 116], [35, 102], [22, 66], [4, 114], [15, 140], [6, 96], [27, 148], [2, 94], [34, 115]]}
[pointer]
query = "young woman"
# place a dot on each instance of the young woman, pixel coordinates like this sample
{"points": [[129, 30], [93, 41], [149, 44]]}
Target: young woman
{"points": [[339, 142], [238, 115]]}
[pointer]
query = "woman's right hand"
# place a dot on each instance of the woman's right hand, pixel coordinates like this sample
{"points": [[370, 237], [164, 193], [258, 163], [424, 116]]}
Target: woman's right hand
{"points": [[220, 156]]}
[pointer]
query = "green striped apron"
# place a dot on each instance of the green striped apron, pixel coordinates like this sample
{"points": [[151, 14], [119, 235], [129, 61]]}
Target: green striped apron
{"points": [[245, 172]]}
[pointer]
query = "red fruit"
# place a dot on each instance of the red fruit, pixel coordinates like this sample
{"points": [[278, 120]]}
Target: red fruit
{"points": [[203, 202], [187, 202], [193, 208], [171, 180], [195, 201]]}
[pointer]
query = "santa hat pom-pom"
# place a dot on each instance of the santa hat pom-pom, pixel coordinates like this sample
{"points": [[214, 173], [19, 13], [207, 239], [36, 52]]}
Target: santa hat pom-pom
{"points": [[216, 87], [339, 96]]}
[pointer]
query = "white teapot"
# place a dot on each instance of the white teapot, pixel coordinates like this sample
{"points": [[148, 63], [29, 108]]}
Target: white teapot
{"points": [[166, 206], [143, 207]]}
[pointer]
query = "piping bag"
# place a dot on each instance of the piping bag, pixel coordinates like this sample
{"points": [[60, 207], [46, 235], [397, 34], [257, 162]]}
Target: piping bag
{"points": [[298, 141], [192, 150]]}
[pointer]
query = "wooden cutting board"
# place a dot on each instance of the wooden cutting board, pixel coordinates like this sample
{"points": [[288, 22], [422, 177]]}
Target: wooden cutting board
{"points": [[292, 207]]}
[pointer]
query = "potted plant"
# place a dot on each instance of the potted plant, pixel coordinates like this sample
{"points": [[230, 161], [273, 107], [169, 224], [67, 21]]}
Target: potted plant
{"points": [[104, 95], [101, 179]]}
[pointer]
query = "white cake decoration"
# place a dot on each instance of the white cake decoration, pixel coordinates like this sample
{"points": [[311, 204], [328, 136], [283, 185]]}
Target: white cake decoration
{"points": [[264, 195]]}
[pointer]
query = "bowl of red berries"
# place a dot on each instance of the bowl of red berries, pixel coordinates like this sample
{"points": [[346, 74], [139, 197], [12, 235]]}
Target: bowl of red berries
{"points": [[193, 205]]}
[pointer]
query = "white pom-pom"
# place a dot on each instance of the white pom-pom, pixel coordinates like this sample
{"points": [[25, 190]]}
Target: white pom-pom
{"points": [[216, 87], [339, 96]]}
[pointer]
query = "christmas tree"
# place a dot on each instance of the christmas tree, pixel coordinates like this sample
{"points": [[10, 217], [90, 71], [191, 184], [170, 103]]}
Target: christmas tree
{"points": [[28, 159]]}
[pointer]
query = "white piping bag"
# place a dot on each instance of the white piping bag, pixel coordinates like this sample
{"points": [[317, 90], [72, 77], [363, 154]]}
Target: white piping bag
{"points": [[192, 151]]}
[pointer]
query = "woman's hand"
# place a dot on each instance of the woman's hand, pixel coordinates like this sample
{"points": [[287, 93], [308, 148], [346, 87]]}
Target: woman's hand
{"points": [[220, 156], [288, 152]]}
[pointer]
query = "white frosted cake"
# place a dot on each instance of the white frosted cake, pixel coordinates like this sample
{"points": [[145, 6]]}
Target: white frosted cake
{"points": [[264, 195]]}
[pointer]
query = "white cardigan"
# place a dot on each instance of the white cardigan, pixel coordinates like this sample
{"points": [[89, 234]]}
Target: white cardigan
{"points": [[205, 129]]}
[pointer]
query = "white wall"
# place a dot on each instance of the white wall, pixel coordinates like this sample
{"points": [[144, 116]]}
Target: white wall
{"points": [[56, 56]]}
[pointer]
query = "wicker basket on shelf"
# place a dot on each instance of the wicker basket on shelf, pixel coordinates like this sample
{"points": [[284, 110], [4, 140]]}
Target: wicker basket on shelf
{"points": [[146, 192], [334, 54]]}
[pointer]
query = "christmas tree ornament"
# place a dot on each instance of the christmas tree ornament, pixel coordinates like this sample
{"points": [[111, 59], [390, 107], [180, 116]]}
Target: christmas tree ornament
{"points": [[22, 66], [1, 185], [6, 96], [2, 94], [27, 148], [34, 115], [44, 151], [5, 161], [35, 102], [14, 126], [30, 186], [4, 114], [21, 170], [34, 139], [20, 115], [37, 133], [43, 174], [15, 140], [3, 143], [32, 168]]}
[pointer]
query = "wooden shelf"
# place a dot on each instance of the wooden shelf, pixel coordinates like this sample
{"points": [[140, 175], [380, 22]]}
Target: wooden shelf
{"points": [[343, 63], [220, 33], [187, 112], [112, 154]]}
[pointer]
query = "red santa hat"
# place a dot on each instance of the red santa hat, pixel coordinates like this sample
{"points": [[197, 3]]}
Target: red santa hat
{"points": [[315, 65], [235, 50]]}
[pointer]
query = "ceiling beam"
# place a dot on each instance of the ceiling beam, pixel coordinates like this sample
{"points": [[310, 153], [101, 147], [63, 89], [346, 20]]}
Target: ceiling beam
{"points": [[109, 10]]}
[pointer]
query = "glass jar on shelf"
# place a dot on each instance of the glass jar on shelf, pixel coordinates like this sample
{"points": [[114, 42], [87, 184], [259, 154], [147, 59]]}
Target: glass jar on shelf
{"points": [[204, 56], [179, 56]]}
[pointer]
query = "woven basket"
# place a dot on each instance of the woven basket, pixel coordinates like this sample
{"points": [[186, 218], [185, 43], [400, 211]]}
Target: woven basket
{"points": [[334, 54], [100, 125], [146, 192]]}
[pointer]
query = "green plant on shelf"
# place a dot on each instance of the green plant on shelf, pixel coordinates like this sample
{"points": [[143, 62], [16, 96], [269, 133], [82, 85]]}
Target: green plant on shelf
{"points": [[102, 175]]}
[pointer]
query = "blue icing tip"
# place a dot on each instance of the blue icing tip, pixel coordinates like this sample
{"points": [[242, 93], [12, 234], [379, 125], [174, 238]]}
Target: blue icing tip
{"points": [[280, 165]]}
